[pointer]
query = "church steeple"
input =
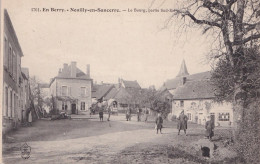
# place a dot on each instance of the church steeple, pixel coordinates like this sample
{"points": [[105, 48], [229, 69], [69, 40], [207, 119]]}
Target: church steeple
{"points": [[183, 71]]}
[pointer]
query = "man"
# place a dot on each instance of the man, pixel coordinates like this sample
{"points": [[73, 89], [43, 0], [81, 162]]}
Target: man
{"points": [[109, 112], [182, 124], [128, 114], [139, 111], [101, 113], [209, 126], [146, 112], [159, 122]]}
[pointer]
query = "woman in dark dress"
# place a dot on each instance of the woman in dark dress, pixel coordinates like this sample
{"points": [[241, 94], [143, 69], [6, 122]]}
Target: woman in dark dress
{"points": [[182, 123], [209, 126], [159, 122]]}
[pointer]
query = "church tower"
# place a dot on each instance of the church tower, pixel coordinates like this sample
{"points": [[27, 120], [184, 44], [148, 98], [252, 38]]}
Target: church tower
{"points": [[183, 71]]}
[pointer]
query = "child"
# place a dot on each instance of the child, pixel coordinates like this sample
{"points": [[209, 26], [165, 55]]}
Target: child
{"points": [[101, 114], [159, 122]]}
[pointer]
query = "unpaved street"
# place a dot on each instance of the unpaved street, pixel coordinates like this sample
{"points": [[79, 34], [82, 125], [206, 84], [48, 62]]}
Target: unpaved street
{"points": [[117, 141]]}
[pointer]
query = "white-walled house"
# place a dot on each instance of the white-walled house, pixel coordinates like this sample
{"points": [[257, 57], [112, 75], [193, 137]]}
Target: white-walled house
{"points": [[71, 89], [196, 99]]}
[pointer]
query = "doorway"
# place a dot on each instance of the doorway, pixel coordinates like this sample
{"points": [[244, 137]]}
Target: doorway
{"points": [[73, 108]]}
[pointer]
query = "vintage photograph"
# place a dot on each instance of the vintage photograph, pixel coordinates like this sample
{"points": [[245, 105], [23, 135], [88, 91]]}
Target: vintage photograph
{"points": [[122, 82]]}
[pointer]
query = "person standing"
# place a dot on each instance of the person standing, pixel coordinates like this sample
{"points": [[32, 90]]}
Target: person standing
{"points": [[209, 126], [128, 114], [146, 112], [108, 112], [30, 118], [182, 123], [159, 122], [139, 111], [101, 114]]}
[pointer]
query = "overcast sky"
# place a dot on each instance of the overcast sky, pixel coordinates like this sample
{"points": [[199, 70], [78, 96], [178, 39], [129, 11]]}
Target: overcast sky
{"points": [[133, 46]]}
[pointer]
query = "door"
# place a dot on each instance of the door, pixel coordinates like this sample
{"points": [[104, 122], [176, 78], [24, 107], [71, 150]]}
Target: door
{"points": [[73, 108]]}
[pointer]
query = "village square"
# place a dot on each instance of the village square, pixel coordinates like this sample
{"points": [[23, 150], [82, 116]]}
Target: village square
{"points": [[83, 115]]}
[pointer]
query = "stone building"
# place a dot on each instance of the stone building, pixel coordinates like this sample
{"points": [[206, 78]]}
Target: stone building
{"points": [[24, 103], [12, 76], [195, 95], [71, 89]]}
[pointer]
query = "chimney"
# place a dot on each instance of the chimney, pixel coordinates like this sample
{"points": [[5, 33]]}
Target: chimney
{"points": [[59, 73], [65, 69], [73, 69], [88, 71]]}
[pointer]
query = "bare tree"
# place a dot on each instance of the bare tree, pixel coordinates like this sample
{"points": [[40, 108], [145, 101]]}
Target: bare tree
{"points": [[234, 23]]}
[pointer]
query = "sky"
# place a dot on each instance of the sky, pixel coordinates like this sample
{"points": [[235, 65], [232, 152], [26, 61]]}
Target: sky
{"points": [[128, 45]]}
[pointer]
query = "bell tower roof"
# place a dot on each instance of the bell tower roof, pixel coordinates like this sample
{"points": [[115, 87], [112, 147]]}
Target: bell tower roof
{"points": [[183, 71]]}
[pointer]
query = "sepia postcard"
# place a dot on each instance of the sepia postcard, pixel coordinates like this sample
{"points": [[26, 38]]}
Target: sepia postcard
{"points": [[112, 81]]}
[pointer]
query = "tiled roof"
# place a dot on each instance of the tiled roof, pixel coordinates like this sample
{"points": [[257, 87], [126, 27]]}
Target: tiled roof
{"points": [[174, 83], [102, 91], [199, 76], [111, 94], [44, 85], [131, 84], [197, 89], [25, 71], [122, 95], [66, 73]]}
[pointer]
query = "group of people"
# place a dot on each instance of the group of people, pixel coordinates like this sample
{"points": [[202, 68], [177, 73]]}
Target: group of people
{"points": [[101, 113], [183, 122], [139, 113]]}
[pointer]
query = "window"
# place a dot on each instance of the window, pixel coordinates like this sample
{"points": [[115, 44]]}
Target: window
{"points": [[14, 65], [64, 90], [64, 105], [83, 91], [5, 53], [82, 106], [223, 117], [189, 116], [182, 103], [10, 59], [6, 102], [11, 104]]}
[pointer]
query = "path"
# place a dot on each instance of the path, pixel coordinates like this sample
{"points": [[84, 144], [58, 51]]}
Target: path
{"points": [[94, 149]]}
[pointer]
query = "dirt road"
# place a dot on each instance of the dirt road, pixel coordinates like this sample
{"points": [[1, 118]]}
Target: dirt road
{"points": [[123, 142]]}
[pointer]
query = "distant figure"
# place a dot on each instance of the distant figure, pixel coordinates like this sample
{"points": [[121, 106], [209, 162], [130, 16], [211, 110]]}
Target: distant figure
{"points": [[182, 123], [109, 112], [146, 112], [139, 112], [30, 118], [90, 111], [209, 126], [159, 122], [101, 114], [128, 114]]}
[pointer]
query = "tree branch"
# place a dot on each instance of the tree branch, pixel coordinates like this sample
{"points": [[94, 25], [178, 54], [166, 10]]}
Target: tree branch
{"points": [[198, 21], [249, 27], [252, 37]]}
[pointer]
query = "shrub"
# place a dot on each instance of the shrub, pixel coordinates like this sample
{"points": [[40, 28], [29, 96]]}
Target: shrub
{"points": [[248, 136]]}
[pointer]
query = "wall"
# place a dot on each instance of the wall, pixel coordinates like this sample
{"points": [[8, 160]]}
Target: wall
{"points": [[74, 92], [198, 110], [10, 76]]}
